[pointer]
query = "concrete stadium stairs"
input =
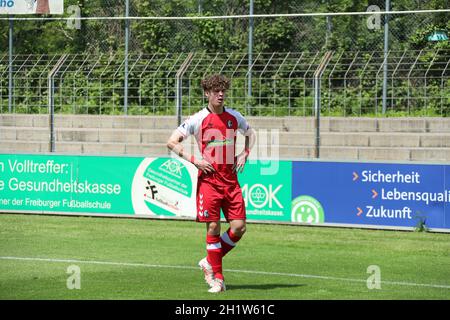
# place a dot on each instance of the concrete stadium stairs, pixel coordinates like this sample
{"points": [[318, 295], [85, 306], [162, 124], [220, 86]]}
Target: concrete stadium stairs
{"points": [[385, 139]]}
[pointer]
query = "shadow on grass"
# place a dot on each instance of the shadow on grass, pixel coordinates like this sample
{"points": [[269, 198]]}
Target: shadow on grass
{"points": [[267, 286]]}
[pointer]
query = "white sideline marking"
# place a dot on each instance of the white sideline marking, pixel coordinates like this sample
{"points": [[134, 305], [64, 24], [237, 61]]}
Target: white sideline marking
{"points": [[228, 270]]}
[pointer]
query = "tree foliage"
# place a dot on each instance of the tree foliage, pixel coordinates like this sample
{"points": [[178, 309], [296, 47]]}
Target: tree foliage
{"points": [[225, 35], [209, 36]]}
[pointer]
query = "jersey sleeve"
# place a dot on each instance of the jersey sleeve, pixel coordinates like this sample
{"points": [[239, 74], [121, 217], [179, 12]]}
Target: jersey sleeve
{"points": [[243, 125], [191, 125], [187, 127]]}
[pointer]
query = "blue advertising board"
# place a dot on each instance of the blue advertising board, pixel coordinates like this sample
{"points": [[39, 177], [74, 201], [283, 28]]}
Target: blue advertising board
{"points": [[378, 194]]}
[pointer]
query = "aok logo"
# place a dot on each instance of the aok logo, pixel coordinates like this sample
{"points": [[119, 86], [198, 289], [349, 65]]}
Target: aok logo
{"points": [[260, 196], [172, 167], [6, 3]]}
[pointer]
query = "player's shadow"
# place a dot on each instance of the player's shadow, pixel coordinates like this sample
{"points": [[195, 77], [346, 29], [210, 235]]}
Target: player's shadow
{"points": [[267, 286]]}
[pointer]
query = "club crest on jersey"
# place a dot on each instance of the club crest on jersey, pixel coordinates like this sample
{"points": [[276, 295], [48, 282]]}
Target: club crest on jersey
{"points": [[230, 124]]}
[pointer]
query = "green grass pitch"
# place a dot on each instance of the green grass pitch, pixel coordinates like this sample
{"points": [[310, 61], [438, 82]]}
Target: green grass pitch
{"points": [[157, 259]]}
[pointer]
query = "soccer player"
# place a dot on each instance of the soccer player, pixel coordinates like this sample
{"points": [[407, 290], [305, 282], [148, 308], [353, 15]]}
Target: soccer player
{"points": [[215, 129]]}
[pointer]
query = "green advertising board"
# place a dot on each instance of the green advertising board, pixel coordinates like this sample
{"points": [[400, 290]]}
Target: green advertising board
{"points": [[66, 183], [98, 185], [153, 187], [267, 187]]}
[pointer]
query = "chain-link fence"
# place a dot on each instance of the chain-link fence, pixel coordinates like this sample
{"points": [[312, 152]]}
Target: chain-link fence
{"points": [[282, 83], [277, 80], [287, 34]]}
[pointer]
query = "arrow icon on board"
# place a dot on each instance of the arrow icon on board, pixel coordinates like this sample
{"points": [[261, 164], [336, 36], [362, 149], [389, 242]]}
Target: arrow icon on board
{"points": [[359, 211], [355, 176], [375, 194]]}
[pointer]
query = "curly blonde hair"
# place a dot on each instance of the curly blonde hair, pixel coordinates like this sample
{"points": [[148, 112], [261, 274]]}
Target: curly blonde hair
{"points": [[216, 82]]}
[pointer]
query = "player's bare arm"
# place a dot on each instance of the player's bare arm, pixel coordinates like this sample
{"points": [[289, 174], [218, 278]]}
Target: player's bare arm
{"points": [[175, 145], [241, 159]]}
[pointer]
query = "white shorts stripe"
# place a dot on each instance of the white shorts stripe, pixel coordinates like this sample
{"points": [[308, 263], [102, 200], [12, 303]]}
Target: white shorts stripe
{"points": [[213, 246], [226, 238]]}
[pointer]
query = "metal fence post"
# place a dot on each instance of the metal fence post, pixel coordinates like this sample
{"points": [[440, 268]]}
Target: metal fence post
{"points": [[426, 75], [179, 86], [317, 78], [250, 57], [10, 77], [127, 34], [386, 50], [442, 87], [51, 101]]}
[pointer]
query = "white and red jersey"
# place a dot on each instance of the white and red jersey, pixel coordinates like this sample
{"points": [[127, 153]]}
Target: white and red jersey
{"points": [[216, 139]]}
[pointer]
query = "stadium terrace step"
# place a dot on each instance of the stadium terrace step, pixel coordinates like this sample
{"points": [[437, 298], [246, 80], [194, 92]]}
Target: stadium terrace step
{"points": [[344, 153], [438, 125], [395, 140], [102, 148], [14, 146], [422, 154], [345, 139], [385, 154], [349, 124], [430, 154], [403, 125], [147, 136], [287, 124], [156, 136], [354, 124], [156, 149], [89, 121], [435, 140], [69, 134], [69, 148], [120, 122], [403, 139]]}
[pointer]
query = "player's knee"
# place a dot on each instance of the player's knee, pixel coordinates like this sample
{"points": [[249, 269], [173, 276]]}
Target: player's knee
{"points": [[213, 228], [239, 230]]}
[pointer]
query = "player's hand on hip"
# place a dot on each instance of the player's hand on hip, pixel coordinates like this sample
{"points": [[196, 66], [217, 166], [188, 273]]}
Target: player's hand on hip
{"points": [[239, 164], [205, 166]]}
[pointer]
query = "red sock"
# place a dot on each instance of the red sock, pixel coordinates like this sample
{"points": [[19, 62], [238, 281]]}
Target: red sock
{"points": [[214, 257], [228, 241]]}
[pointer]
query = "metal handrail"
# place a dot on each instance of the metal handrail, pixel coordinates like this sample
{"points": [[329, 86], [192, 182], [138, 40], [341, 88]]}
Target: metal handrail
{"points": [[51, 107]]}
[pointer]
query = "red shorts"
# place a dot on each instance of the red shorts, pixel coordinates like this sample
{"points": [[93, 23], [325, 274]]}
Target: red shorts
{"points": [[211, 198]]}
